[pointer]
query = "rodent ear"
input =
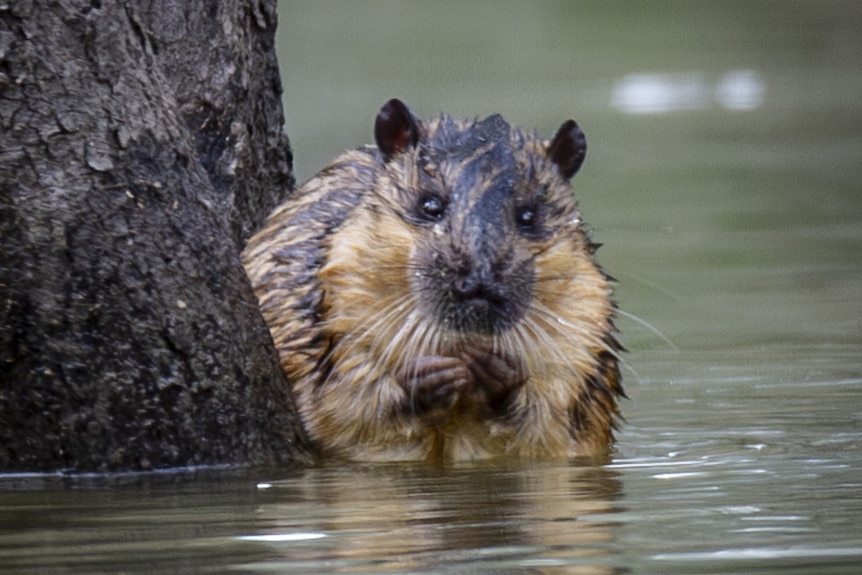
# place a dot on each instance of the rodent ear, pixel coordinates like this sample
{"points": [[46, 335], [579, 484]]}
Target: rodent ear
{"points": [[395, 129], [568, 148]]}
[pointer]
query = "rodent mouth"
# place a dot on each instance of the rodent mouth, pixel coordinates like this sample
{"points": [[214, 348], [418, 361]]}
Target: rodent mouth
{"points": [[476, 299]]}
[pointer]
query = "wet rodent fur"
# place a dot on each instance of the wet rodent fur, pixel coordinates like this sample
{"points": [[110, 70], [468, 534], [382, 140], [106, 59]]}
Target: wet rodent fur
{"points": [[435, 296]]}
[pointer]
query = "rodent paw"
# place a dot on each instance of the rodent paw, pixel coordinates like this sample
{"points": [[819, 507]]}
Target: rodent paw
{"points": [[433, 385], [497, 376]]}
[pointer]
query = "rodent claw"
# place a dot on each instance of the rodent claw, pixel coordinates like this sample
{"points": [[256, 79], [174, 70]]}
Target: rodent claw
{"points": [[499, 376], [434, 384]]}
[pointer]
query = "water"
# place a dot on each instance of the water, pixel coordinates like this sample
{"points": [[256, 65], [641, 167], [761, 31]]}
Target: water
{"points": [[723, 175]]}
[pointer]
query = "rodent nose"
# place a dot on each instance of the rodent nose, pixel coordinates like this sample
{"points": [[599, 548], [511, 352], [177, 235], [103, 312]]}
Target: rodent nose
{"points": [[474, 285], [467, 286]]}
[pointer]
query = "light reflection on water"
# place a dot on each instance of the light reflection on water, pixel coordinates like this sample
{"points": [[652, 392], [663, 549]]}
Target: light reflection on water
{"points": [[741, 90], [724, 178]]}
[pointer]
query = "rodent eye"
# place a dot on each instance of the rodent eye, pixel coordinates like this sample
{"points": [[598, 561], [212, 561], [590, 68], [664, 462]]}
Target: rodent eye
{"points": [[431, 208], [527, 219]]}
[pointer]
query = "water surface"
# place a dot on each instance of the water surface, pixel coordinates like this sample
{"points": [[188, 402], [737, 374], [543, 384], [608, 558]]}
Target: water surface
{"points": [[723, 176]]}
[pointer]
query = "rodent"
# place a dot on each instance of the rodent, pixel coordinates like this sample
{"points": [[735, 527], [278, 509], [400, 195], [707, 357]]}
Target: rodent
{"points": [[435, 297]]}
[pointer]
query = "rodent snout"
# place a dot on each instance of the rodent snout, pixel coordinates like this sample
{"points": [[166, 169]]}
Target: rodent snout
{"points": [[475, 285], [474, 296]]}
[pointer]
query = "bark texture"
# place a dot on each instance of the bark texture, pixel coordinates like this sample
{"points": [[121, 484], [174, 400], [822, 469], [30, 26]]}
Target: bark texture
{"points": [[140, 144]]}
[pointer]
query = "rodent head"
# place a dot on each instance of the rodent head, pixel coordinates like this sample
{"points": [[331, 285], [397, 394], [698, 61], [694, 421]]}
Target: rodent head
{"points": [[485, 201]]}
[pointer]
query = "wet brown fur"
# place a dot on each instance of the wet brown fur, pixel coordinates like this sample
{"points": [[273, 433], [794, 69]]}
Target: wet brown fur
{"points": [[343, 274]]}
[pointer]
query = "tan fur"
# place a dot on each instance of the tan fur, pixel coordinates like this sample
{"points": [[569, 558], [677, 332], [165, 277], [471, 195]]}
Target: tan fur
{"points": [[336, 281]]}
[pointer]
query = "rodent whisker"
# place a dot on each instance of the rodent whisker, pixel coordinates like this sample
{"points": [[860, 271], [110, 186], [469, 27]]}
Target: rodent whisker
{"points": [[656, 331], [548, 316], [513, 342], [409, 366], [542, 282], [579, 335], [535, 336], [540, 279], [540, 250], [422, 338], [392, 312]]}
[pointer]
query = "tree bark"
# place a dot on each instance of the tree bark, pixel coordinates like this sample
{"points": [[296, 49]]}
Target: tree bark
{"points": [[140, 144]]}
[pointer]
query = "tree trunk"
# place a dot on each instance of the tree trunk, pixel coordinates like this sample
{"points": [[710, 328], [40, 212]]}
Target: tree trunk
{"points": [[140, 144]]}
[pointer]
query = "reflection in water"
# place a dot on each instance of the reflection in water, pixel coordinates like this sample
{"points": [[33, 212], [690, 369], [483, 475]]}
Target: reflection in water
{"points": [[662, 93], [404, 518], [408, 518]]}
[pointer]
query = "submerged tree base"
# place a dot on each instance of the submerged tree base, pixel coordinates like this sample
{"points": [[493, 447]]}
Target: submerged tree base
{"points": [[140, 147]]}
